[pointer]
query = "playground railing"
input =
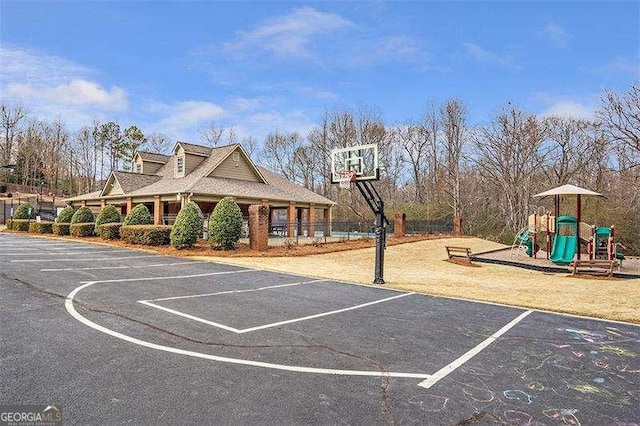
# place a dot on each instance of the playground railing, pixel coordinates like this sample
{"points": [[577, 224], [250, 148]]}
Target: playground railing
{"points": [[585, 231]]}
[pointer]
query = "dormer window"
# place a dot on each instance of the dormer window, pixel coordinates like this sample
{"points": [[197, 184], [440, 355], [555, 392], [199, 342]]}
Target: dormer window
{"points": [[180, 165], [137, 168]]}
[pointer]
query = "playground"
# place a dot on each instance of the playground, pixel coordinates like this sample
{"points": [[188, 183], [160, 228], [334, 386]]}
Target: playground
{"points": [[565, 239]]}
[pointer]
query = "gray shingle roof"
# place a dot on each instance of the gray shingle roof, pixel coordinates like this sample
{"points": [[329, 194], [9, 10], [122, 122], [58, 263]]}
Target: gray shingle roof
{"points": [[275, 187], [154, 157], [129, 182], [191, 148]]}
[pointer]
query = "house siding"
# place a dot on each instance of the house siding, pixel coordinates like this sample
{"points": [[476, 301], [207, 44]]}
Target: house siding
{"points": [[191, 162], [150, 168], [232, 169]]}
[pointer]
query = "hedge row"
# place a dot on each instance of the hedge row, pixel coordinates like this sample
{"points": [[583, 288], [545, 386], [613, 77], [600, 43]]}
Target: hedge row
{"points": [[109, 231], [21, 225], [61, 228], [151, 235], [30, 226], [82, 229], [41, 228]]}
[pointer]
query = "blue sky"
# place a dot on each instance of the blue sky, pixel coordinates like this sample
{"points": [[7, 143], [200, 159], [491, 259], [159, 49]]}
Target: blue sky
{"points": [[175, 66]]}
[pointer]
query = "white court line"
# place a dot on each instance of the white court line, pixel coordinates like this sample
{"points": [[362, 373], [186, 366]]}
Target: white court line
{"points": [[154, 265], [68, 304], [79, 260], [67, 253], [247, 290], [275, 324], [208, 274], [444, 371]]}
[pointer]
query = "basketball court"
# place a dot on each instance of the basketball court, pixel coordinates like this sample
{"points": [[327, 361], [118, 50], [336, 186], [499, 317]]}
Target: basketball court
{"points": [[299, 349]]}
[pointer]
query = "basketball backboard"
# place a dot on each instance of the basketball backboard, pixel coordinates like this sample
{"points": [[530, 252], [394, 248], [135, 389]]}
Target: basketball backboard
{"points": [[360, 159]]}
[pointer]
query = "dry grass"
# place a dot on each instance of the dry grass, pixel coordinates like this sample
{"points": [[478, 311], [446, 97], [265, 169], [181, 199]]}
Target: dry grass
{"points": [[422, 267]]}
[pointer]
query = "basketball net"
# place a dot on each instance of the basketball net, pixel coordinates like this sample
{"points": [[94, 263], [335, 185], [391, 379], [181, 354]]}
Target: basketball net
{"points": [[345, 178]]}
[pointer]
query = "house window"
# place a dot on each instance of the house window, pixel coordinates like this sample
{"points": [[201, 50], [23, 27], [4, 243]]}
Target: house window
{"points": [[137, 168], [180, 165]]}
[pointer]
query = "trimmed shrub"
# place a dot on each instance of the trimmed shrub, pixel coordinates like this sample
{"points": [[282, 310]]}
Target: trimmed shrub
{"points": [[82, 229], [61, 228], [109, 214], [65, 216], [187, 227], [41, 228], [109, 231], [139, 215], [21, 225], [22, 211], [151, 235], [82, 215], [225, 224]]}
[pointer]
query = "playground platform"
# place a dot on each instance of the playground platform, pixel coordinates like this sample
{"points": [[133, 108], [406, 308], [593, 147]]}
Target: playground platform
{"points": [[630, 268]]}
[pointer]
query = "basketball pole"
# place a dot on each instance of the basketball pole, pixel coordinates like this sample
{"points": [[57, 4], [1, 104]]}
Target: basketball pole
{"points": [[376, 204]]}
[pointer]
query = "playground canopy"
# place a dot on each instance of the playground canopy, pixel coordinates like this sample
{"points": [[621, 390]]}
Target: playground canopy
{"points": [[569, 190]]}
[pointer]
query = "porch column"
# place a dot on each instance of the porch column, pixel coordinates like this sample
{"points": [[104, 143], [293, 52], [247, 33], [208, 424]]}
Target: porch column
{"points": [[84, 203], [157, 210], [259, 227], [399, 224], [291, 218], [311, 232], [327, 221], [103, 204], [129, 204]]}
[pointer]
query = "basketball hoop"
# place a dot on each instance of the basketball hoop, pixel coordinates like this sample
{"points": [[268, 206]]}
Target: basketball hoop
{"points": [[345, 178]]}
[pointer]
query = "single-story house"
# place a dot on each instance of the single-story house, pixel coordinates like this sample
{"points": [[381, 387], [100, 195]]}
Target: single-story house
{"points": [[165, 183]]}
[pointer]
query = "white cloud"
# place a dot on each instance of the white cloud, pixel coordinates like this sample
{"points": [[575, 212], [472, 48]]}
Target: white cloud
{"points": [[319, 94], [556, 34], [483, 55], [625, 65], [569, 109], [186, 114], [400, 47], [52, 87], [292, 35], [80, 93]]}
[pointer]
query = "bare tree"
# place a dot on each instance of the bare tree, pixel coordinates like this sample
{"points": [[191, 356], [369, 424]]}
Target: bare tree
{"points": [[279, 154], [55, 139], [509, 158], [620, 114], [414, 140], [158, 142], [569, 152], [321, 147], [213, 135], [250, 145], [453, 117], [11, 127]]}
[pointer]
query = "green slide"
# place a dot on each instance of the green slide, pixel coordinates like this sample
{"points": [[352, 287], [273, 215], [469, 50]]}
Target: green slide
{"points": [[564, 249]]}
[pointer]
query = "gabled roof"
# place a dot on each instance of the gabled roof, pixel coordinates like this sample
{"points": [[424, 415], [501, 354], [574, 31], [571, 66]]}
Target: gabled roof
{"points": [[276, 188], [225, 151], [153, 157], [269, 187], [128, 181], [189, 148]]}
